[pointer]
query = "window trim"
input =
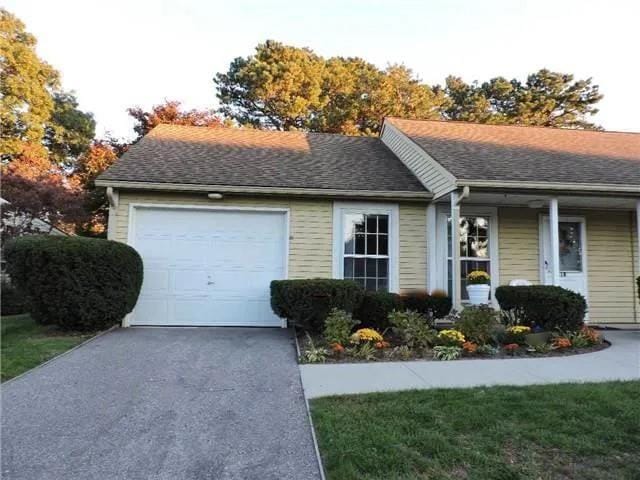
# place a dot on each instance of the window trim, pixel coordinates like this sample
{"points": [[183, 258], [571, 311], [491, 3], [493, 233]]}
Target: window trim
{"points": [[340, 209], [442, 247]]}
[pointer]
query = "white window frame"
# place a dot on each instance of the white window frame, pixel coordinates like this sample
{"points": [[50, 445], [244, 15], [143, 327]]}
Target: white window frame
{"points": [[340, 209], [442, 248]]}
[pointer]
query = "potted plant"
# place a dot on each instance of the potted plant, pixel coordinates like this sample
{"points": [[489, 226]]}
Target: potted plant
{"points": [[478, 287]]}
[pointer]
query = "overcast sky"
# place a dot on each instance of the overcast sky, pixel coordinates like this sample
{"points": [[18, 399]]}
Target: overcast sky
{"points": [[120, 53]]}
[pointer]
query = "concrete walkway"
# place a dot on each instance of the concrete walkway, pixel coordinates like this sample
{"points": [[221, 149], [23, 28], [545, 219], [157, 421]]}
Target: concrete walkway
{"points": [[621, 361], [162, 404]]}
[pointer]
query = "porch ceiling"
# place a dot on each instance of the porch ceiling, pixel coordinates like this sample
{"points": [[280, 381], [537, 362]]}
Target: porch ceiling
{"points": [[540, 200]]}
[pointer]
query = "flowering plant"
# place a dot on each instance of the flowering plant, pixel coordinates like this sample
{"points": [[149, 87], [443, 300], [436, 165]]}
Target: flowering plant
{"points": [[478, 277], [561, 342], [366, 335], [382, 345], [519, 330], [470, 347], [337, 348], [451, 337], [591, 336], [511, 348]]}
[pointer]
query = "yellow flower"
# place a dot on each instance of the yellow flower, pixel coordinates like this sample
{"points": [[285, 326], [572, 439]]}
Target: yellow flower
{"points": [[366, 335], [519, 329], [451, 335], [478, 277]]}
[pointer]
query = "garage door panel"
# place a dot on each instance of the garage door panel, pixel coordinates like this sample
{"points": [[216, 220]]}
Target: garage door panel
{"points": [[206, 267]]}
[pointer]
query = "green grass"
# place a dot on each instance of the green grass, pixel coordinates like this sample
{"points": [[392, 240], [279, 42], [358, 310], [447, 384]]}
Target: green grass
{"points": [[25, 344], [578, 431]]}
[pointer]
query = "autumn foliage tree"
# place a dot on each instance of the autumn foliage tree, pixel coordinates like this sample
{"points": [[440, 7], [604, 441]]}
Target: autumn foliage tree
{"points": [[170, 112]]}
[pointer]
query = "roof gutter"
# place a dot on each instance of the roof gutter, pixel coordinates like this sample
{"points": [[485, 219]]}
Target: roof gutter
{"points": [[233, 189], [587, 188]]}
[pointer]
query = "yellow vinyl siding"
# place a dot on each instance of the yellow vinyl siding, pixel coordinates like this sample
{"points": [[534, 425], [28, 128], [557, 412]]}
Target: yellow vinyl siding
{"points": [[611, 261], [311, 225], [413, 246], [610, 264], [518, 242]]}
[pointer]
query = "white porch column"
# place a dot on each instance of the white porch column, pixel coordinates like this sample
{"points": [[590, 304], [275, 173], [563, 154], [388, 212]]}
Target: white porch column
{"points": [[555, 240], [432, 257], [456, 295]]}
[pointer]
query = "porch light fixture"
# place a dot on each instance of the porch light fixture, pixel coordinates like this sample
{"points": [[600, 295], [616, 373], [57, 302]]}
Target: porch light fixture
{"points": [[214, 196]]}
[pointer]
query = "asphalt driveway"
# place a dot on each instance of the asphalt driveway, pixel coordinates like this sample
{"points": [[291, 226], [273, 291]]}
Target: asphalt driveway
{"points": [[161, 403]]}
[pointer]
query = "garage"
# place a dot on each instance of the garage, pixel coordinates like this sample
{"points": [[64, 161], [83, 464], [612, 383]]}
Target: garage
{"points": [[208, 266]]}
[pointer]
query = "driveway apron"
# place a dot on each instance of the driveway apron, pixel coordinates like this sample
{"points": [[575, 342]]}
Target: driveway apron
{"points": [[162, 403]]}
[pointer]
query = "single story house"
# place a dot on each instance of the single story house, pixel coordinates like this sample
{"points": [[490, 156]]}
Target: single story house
{"points": [[218, 213]]}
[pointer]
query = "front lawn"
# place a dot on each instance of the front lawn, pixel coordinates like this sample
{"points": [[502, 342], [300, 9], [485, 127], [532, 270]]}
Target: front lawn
{"points": [[578, 431], [25, 344]]}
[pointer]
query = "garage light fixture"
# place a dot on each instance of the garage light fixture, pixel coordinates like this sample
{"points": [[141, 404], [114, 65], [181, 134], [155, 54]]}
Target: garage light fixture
{"points": [[214, 196]]}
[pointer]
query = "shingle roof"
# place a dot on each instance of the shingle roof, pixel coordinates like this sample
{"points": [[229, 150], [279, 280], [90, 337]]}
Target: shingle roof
{"points": [[238, 157], [473, 151]]}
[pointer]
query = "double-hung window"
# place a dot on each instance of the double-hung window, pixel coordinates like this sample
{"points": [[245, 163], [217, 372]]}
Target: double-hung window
{"points": [[475, 252], [365, 250]]}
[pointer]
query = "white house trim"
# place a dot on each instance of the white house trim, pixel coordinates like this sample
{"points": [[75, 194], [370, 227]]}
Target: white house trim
{"points": [[392, 210], [431, 174]]}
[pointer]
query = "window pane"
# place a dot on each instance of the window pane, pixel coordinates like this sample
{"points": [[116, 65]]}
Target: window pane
{"points": [[371, 245], [370, 284], [570, 246], [383, 245], [383, 223], [348, 268], [360, 244], [371, 267], [349, 243], [383, 264], [383, 284], [358, 222], [358, 267], [372, 221]]}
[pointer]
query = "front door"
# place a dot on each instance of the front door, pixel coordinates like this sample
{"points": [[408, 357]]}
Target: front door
{"points": [[572, 241]]}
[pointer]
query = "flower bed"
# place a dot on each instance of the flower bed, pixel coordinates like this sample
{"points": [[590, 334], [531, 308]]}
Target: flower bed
{"points": [[476, 333]]}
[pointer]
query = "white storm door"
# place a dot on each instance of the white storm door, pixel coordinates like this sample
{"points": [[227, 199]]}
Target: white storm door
{"points": [[206, 267], [572, 241]]}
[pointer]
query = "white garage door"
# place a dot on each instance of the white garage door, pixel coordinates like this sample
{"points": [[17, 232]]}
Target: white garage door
{"points": [[208, 267]]}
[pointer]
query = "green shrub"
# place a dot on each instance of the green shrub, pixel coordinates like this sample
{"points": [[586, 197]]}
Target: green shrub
{"points": [[375, 308], [477, 323], [306, 303], [73, 282], [436, 306], [546, 306], [12, 300], [442, 352], [413, 328], [338, 326]]}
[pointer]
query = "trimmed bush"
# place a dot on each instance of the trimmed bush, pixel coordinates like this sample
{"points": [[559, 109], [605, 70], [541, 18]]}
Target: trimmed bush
{"points": [[306, 303], [12, 300], [73, 282], [549, 307], [375, 309], [437, 306]]}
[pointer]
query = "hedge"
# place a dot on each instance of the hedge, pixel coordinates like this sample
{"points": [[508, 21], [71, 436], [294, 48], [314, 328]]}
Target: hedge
{"points": [[550, 307], [435, 306], [306, 303], [12, 300], [73, 282], [375, 308]]}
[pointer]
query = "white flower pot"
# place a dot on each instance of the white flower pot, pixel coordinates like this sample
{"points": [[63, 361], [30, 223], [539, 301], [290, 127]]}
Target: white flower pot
{"points": [[478, 294]]}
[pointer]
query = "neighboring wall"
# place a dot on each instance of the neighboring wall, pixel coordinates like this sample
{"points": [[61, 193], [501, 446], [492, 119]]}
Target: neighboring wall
{"points": [[611, 258], [310, 247]]}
